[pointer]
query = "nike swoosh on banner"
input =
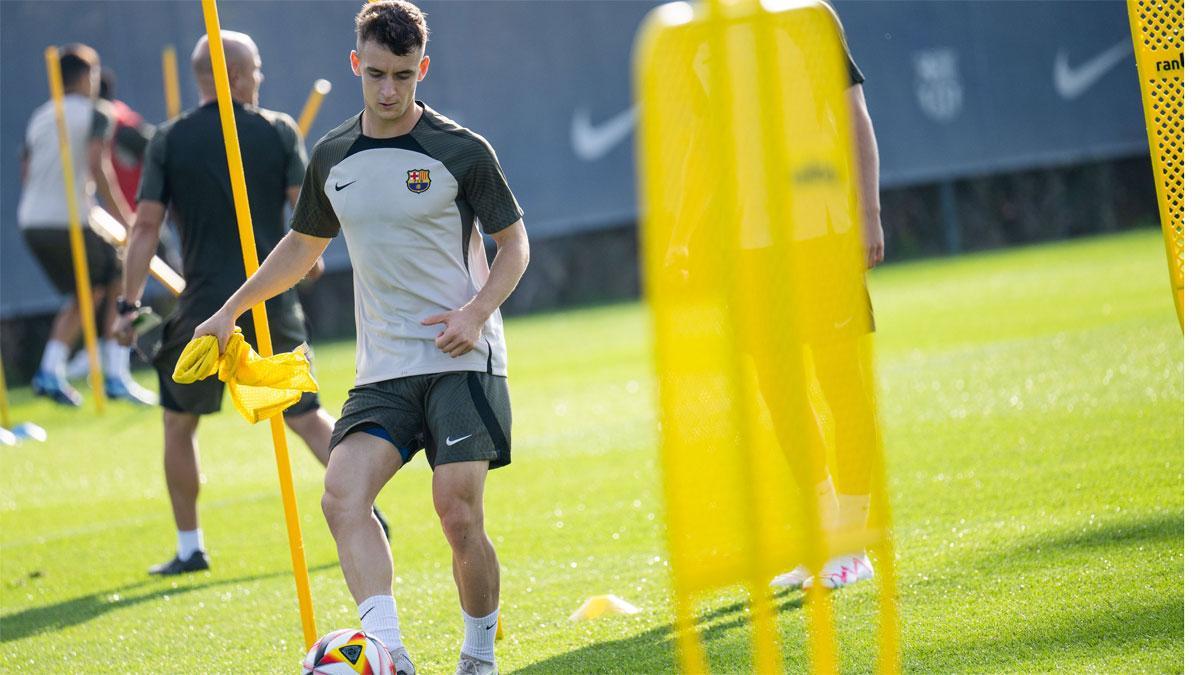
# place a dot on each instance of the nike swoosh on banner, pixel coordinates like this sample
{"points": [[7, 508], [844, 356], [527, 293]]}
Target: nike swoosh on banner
{"points": [[591, 142], [452, 442], [1071, 83]]}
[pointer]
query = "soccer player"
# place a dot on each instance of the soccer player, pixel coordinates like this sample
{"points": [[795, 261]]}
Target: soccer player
{"points": [[839, 358], [131, 135], [185, 169], [410, 189], [42, 216]]}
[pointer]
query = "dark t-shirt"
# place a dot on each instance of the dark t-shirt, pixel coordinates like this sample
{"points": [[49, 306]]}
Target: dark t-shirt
{"points": [[185, 168]]}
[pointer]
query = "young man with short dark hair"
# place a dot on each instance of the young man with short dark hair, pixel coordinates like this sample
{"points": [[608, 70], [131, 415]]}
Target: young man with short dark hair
{"points": [[411, 190]]}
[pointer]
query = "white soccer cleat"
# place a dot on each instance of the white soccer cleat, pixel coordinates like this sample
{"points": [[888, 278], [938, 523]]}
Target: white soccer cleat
{"points": [[843, 571], [404, 665], [469, 665], [792, 578]]}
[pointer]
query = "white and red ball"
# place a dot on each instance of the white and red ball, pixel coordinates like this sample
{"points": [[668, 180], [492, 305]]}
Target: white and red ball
{"points": [[348, 652]]}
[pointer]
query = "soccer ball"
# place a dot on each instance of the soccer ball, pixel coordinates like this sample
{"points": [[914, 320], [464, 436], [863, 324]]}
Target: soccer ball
{"points": [[348, 652]]}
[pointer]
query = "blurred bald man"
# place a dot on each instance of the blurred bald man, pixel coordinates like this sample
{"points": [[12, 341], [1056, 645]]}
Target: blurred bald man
{"points": [[185, 170]]}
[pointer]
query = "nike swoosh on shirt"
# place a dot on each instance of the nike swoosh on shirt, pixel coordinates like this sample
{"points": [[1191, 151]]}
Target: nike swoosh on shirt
{"points": [[452, 442], [1071, 83], [593, 141], [339, 188]]}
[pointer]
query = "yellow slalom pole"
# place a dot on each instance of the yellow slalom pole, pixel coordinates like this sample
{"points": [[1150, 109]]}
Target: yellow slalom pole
{"points": [[170, 69], [320, 88], [5, 419], [1157, 30], [241, 202], [83, 284]]}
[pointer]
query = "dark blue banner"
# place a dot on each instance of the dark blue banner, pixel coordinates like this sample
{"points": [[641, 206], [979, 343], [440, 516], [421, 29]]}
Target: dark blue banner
{"points": [[954, 88]]}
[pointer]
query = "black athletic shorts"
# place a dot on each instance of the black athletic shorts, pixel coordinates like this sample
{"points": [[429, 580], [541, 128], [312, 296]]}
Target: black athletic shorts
{"points": [[51, 246], [456, 417], [204, 397]]}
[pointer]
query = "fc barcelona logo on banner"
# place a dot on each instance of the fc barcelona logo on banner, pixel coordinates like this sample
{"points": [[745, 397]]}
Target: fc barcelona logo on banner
{"points": [[418, 180]]}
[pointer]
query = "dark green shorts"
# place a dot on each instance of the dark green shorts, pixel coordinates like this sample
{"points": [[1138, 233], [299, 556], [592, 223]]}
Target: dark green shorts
{"points": [[454, 417]]}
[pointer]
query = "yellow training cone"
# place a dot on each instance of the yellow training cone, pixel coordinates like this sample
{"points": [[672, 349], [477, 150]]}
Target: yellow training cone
{"points": [[601, 605]]}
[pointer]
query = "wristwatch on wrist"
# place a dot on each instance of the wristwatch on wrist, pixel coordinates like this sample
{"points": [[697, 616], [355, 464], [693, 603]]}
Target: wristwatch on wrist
{"points": [[125, 307]]}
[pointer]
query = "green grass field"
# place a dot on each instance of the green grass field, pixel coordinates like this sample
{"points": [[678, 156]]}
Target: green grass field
{"points": [[1033, 417]]}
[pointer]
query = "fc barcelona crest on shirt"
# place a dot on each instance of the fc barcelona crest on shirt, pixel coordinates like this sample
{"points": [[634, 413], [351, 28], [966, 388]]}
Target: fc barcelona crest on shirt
{"points": [[418, 180]]}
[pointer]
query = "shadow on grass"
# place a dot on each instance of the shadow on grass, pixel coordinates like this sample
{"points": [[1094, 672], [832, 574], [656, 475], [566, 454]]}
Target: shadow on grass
{"points": [[654, 650], [1113, 533], [1096, 631], [60, 615]]}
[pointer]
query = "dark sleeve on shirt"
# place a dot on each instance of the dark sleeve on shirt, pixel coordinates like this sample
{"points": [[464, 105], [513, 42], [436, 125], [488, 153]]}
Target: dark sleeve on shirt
{"points": [[133, 139], [852, 71], [293, 145], [314, 214], [102, 125], [856, 76], [153, 185], [488, 193]]}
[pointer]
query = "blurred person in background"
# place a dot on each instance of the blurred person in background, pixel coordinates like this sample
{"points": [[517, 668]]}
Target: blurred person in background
{"points": [[186, 170], [42, 216], [127, 143], [838, 358], [131, 135]]}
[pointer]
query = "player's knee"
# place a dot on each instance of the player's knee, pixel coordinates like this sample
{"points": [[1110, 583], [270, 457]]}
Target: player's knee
{"points": [[335, 507], [179, 427], [342, 502], [460, 522]]}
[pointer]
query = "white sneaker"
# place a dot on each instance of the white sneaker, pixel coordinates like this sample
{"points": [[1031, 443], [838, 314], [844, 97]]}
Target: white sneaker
{"points": [[792, 579], [124, 387], [469, 665], [843, 571]]}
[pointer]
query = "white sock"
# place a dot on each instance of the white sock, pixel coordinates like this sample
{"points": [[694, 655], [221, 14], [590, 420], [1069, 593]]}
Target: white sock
{"points": [[827, 503], [190, 541], [479, 636], [115, 359], [54, 359], [854, 510], [379, 618]]}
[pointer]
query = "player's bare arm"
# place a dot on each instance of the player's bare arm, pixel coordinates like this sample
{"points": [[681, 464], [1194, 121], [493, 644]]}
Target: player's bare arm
{"points": [[867, 151], [318, 268], [465, 324], [100, 165], [139, 250], [287, 264]]}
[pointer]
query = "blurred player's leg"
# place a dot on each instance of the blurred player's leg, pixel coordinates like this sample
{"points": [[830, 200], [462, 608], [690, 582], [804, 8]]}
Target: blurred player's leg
{"points": [[839, 368], [315, 428], [181, 464], [118, 381], [359, 467], [50, 378], [458, 499]]}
